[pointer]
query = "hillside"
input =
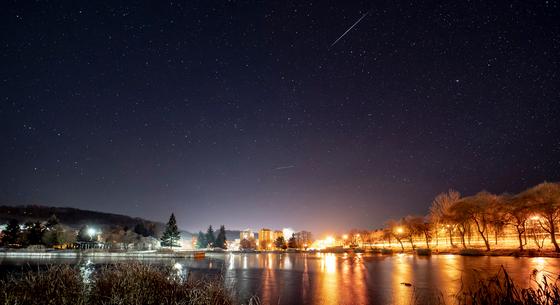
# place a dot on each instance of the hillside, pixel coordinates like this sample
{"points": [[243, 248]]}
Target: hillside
{"points": [[70, 216]]}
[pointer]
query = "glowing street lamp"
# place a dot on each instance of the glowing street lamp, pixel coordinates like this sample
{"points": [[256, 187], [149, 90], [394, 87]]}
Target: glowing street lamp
{"points": [[91, 232]]}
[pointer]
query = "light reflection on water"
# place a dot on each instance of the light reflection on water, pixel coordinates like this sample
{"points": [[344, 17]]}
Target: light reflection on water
{"points": [[339, 278]]}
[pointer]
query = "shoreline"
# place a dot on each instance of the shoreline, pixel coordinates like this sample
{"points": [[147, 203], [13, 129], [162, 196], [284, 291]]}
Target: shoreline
{"points": [[200, 254]]}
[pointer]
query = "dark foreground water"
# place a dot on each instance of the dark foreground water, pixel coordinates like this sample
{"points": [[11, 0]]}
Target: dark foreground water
{"points": [[336, 278]]}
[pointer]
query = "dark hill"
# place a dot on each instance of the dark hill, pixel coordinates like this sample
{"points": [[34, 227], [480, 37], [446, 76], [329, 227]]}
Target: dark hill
{"points": [[70, 216]]}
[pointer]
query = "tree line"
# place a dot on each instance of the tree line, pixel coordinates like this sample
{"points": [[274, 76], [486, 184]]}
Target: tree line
{"points": [[52, 233], [211, 240], [531, 216]]}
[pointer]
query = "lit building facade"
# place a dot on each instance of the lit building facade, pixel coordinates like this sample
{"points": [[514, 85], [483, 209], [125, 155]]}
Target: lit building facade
{"points": [[246, 234], [266, 239]]}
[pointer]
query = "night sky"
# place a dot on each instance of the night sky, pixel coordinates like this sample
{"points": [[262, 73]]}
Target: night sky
{"points": [[241, 113]]}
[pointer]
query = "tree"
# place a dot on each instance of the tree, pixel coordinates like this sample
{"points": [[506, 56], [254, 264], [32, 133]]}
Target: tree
{"points": [[396, 230], [477, 209], [248, 244], [409, 224], [35, 233], [201, 242], [84, 235], [517, 215], [440, 213], [58, 235], [420, 226], [141, 229], [458, 220], [171, 235], [51, 222], [544, 199], [11, 233], [221, 238], [280, 243], [498, 215], [210, 238], [292, 242]]}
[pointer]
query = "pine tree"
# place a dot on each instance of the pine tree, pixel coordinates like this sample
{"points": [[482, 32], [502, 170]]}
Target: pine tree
{"points": [[221, 238], [201, 241], [210, 238], [171, 235], [11, 233], [35, 233]]}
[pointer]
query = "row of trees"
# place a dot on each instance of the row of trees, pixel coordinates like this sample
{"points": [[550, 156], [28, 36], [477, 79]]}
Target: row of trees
{"points": [[209, 239], [48, 233], [531, 214], [52, 233], [280, 243]]}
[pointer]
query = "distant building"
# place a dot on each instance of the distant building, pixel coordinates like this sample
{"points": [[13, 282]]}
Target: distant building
{"points": [[246, 234], [266, 239], [147, 243], [234, 244]]}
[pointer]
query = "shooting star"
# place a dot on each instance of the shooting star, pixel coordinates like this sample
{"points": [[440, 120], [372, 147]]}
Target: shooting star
{"points": [[349, 29], [284, 167]]}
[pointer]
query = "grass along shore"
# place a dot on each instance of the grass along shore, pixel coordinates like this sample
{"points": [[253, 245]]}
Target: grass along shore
{"points": [[119, 284]]}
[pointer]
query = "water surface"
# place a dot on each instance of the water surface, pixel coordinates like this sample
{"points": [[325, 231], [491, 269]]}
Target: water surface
{"points": [[338, 278]]}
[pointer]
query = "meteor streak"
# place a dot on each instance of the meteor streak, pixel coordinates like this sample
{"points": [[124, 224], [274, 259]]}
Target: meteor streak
{"points": [[350, 28]]}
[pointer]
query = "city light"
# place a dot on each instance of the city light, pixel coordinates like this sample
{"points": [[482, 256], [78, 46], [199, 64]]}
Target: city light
{"points": [[91, 232]]}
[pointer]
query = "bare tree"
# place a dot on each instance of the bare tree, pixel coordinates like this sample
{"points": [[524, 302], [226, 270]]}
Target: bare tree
{"points": [[477, 209], [459, 219], [396, 230], [544, 199], [518, 213], [440, 213]]}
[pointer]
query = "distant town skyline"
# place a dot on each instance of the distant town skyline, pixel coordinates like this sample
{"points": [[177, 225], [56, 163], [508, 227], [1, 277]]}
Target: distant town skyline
{"points": [[317, 116]]}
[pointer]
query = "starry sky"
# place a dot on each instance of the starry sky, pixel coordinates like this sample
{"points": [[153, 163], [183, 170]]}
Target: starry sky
{"points": [[242, 113]]}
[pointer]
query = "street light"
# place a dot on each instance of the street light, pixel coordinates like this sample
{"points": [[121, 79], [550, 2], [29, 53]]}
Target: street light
{"points": [[91, 232]]}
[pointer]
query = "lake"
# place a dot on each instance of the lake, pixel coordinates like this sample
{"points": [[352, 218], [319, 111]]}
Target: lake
{"points": [[324, 278]]}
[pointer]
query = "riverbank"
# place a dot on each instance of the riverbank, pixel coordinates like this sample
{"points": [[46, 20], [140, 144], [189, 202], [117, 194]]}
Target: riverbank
{"points": [[52, 253], [199, 254], [455, 251]]}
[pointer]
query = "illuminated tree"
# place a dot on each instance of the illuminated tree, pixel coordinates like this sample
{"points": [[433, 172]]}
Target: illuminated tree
{"points": [[544, 200], [59, 235], [518, 212], [477, 209], [171, 235], [11, 233], [201, 240], [459, 220], [248, 244], [292, 242], [210, 238], [280, 243], [396, 230], [440, 213]]}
